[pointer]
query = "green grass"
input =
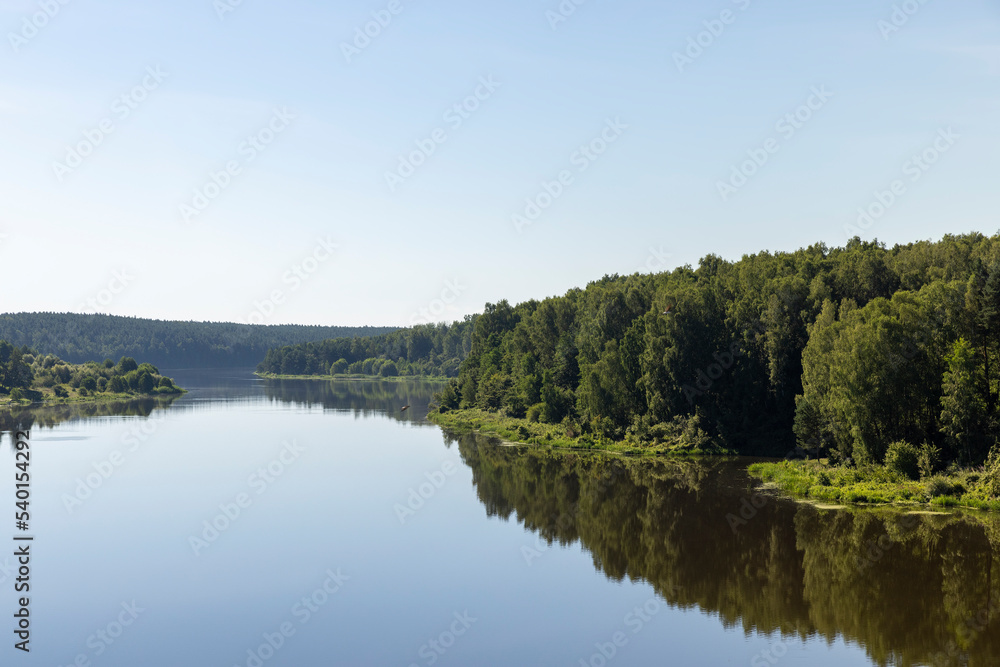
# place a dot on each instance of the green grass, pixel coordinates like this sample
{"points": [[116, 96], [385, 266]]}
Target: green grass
{"points": [[512, 429], [869, 485]]}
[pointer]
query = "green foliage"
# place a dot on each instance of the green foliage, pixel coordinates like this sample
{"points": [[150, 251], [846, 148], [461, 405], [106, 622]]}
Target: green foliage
{"points": [[60, 391], [903, 459], [425, 350], [839, 351], [78, 338]]}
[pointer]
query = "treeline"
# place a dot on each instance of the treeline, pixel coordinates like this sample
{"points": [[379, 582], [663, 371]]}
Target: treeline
{"points": [[841, 351], [25, 374], [79, 338], [423, 350]]}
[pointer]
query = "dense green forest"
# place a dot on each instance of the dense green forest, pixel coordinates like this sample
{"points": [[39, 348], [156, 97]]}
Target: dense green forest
{"points": [[27, 375], [839, 351], [79, 338], [424, 350]]}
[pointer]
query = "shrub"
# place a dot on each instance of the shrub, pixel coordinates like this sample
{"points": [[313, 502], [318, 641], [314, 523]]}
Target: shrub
{"points": [[16, 394], [534, 412], [89, 383], [903, 458], [928, 460], [102, 384], [939, 486], [60, 391]]}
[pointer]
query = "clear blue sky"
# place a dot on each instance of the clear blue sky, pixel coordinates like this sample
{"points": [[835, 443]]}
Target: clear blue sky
{"points": [[656, 186]]}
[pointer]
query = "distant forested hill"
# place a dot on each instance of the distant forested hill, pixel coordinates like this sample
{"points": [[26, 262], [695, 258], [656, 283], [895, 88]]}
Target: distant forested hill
{"points": [[80, 338], [427, 349]]}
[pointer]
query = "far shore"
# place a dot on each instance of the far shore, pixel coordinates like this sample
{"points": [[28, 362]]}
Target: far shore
{"points": [[355, 377]]}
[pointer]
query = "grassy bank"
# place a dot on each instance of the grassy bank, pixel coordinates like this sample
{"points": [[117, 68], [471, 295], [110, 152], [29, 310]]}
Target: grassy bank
{"points": [[392, 378], [817, 480], [47, 396], [677, 439]]}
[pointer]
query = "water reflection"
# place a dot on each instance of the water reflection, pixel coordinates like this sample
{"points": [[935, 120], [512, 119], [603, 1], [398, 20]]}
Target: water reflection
{"points": [[911, 589], [23, 418]]}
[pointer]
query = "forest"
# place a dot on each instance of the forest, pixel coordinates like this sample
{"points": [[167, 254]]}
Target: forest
{"points": [[426, 350], [79, 338], [28, 375], [837, 352]]}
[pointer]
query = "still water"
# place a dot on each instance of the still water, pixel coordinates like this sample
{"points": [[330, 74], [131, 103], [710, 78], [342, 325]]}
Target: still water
{"points": [[252, 523]]}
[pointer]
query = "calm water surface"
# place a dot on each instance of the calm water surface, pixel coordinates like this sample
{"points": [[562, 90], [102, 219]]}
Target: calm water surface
{"points": [[307, 523]]}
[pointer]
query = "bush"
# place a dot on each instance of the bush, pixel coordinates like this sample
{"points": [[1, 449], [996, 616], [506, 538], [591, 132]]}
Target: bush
{"points": [[929, 460], [940, 486], [60, 391], [117, 385], [903, 458], [534, 412], [339, 367], [102, 384], [89, 383], [16, 394]]}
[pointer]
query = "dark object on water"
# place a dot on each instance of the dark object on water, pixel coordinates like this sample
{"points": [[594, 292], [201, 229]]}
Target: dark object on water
{"points": [[404, 408]]}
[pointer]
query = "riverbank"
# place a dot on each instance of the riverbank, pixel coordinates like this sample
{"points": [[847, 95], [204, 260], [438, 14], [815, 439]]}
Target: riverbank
{"points": [[676, 438], [47, 396], [380, 378], [817, 480]]}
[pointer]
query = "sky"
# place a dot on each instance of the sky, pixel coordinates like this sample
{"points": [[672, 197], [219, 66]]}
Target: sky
{"points": [[390, 162]]}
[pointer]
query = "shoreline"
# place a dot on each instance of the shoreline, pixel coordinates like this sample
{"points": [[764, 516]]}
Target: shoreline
{"points": [[51, 399], [355, 378], [519, 431], [818, 482], [809, 481]]}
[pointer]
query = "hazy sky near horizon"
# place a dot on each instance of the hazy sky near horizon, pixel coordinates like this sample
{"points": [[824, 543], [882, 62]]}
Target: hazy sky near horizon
{"points": [[194, 159]]}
